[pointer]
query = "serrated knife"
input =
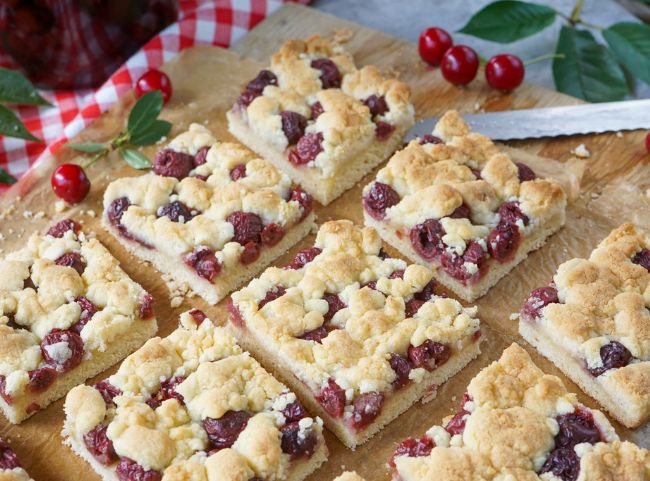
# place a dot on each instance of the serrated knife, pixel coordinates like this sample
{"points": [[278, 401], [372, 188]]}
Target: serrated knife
{"points": [[553, 121]]}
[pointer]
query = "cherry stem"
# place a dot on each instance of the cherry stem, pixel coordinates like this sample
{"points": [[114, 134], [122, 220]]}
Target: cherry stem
{"points": [[574, 19], [115, 144], [541, 58]]}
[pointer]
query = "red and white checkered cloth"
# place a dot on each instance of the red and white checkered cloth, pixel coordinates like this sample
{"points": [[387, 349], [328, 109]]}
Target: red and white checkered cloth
{"points": [[201, 22]]}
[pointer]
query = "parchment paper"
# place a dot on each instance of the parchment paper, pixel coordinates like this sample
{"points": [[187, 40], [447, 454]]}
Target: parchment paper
{"points": [[206, 82]]}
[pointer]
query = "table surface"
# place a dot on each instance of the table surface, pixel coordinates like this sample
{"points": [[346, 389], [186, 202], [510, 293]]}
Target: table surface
{"points": [[406, 19]]}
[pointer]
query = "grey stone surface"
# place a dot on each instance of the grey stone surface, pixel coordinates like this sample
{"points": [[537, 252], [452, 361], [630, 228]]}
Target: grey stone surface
{"points": [[407, 18]]}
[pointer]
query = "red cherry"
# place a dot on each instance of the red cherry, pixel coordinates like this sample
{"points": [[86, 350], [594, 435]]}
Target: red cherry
{"points": [[154, 80], [647, 142], [505, 72], [70, 183], [433, 43], [459, 65]]}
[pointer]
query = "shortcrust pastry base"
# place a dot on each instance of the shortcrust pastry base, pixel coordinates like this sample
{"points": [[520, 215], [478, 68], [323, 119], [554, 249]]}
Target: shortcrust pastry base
{"points": [[394, 405], [300, 468], [623, 409], [323, 190], [140, 332], [226, 282], [496, 270]]}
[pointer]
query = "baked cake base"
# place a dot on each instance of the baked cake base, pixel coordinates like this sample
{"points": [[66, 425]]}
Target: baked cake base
{"points": [[394, 405], [495, 271], [115, 352], [323, 190], [226, 282], [620, 408]]}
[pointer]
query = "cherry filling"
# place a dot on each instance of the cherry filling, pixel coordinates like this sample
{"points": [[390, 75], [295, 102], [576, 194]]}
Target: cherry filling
{"points": [[332, 398], [235, 316], [293, 125], [72, 259], [456, 424], [176, 212], [430, 139], [412, 307], [306, 149], [376, 105], [379, 198], [8, 459], [201, 156], [366, 408], [538, 299], [129, 470], [204, 262], [223, 432], [413, 448], [294, 412], [316, 110], [108, 392], [642, 258], [272, 234], [402, 369], [298, 443], [510, 213], [316, 335], [40, 379], [167, 391], [88, 310], [429, 355], [461, 212], [304, 199], [99, 445], [170, 163], [303, 258], [525, 173], [256, 86], [247, 226], [272, 295], [575, 428], [614, 355], [383, 130], [114, 212], [456, 266], [330, 76], [334, 303], [3, 393], [146, 307], [250, 253], [426, 239], [59, 229], [62, 350], [198, 316], [503, 241], [427, 291], [238, 172]]}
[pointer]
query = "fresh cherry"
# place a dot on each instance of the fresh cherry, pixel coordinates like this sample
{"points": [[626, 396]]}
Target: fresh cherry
{"points": [[70, 183], [154, 80], [647, 142], [433, 43], [505, 72], [459, 65]]}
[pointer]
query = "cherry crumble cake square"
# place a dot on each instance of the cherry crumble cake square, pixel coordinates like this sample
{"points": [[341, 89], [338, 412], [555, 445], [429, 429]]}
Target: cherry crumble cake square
{"points": [[359, 336], [454, 202], [210, 216], [67, 312], [319, 118], [193, 406], [593, 322], [517, 423]]}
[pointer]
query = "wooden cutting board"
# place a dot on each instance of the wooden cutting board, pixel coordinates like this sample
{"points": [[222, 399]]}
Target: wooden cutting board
{"points": [[206, 82]]}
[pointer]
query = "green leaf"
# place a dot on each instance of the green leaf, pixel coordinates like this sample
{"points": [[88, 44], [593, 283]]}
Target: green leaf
{"points": [[15, 88], [508, 20], [6, 177], [89, 148], [630, 42], [144, 112], [11, 126], [588, 70], [136, 159], [152, 134]]}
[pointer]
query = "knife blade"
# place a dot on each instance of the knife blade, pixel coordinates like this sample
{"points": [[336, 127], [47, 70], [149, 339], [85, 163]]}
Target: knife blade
{"points": [[553, 121]]}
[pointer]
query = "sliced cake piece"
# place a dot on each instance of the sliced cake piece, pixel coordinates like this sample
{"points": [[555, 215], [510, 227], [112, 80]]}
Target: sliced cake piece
{"points": [[517, 423], [67, 312], [454, 202], [10, 467], [210, 216], [317, 117], [593, 322], [193, 406], [358, 335]]}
